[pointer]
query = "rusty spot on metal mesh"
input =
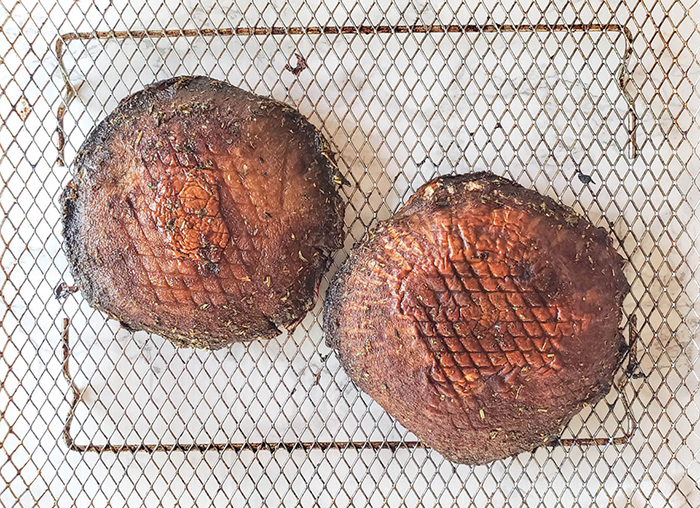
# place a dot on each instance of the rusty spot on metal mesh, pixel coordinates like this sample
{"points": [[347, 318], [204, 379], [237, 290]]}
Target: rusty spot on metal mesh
{"points": [[23, 108], [62, 290], [300, 66], [67, 437]]}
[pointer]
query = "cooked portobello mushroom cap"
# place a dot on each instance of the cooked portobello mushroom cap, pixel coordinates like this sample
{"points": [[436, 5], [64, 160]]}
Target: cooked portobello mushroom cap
{"points": [[482, 316], [203, 213]]}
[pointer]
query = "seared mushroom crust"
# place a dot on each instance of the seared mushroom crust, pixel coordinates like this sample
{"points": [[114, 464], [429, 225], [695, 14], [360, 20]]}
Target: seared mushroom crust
{"points": [[203, 213], [482, 316]]}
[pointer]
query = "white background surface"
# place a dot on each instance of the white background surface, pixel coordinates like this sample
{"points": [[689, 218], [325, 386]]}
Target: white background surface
{"points": [[399, 109]]}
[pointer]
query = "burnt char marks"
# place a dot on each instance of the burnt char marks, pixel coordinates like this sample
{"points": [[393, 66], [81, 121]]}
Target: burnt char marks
{"points": [[475, 312], [187, 212], [183, 191]]}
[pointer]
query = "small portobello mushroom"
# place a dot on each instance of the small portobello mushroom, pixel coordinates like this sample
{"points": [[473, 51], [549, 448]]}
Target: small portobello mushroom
{"points": [[203, 213], [482, 316]]}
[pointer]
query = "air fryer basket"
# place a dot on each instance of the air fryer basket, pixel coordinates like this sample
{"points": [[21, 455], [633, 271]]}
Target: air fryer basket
{"points": [[593, 104]]}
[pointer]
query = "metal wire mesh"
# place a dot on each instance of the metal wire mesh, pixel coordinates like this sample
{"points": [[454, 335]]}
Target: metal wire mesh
{"points": [[595, 105]]}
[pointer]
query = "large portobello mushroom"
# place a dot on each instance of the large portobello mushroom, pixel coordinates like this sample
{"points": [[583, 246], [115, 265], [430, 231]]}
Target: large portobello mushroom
{"points": [[482, 316], [203, 213]]}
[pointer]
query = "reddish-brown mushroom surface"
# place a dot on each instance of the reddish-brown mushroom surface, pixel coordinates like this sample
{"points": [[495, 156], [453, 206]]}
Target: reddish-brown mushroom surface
{"points": [[203, 213], [482, 316]]}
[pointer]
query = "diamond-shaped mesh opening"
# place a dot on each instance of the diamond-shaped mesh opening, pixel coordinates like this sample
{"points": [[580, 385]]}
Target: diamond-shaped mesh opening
{"points": [[593, 105]]}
